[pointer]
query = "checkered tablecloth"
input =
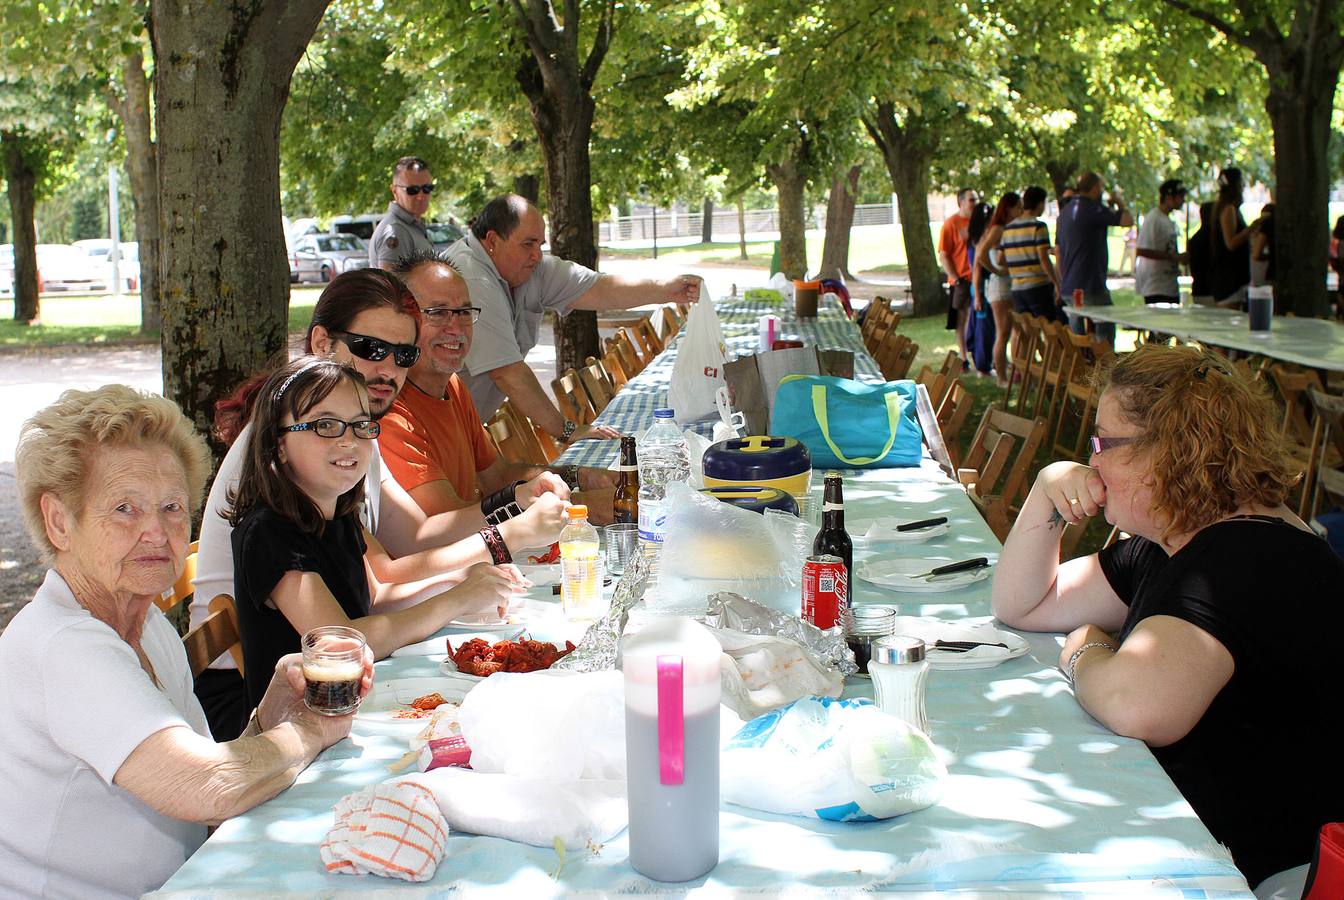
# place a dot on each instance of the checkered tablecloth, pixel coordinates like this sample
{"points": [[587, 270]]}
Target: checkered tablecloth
{"points": [[632, 409]]}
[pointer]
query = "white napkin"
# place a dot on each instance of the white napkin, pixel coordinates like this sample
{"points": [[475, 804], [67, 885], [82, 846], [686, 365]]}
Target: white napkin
{"points": [[393, 829], [932, 630], [883, 531], [528, 810]]}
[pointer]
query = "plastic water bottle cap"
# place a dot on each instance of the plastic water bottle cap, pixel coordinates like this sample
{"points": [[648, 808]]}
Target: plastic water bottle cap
{"points": [[577, 511], [662, 413]]}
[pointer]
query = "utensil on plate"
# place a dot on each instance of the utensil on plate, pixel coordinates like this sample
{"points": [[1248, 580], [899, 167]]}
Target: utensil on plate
{"points": [[964, 646], [922, 523], [965, 565]]}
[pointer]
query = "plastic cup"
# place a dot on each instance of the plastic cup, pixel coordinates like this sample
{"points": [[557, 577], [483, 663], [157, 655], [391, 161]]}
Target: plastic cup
{"points": [[1260, 306], [622, 542], [333, 666]]}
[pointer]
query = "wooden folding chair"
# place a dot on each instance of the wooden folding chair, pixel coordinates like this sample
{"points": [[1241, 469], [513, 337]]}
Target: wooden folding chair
{"points": [[1078, 393], [182, 589], [1327, 438], [951, 366], [895, 356], [648, 340], [1292, 385], [598, 385], [217, 634], [938, 384], [538, 447], [613, 369], [571, 397], [624, 348], [1056, 374], [670, 321], [953, 415], [1021, 349], [1034, 381], [986, 471]]}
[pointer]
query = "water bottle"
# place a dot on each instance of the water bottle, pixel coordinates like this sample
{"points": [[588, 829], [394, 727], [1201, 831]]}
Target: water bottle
{"points": [[580, 568], [671, 671], [662, 459]]}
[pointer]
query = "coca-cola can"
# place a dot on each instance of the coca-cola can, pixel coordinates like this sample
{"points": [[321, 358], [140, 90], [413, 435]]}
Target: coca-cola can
{"points": [[825, 590]]}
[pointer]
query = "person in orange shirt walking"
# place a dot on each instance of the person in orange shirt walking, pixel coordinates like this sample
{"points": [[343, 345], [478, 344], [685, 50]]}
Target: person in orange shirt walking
{"points": [[953, 257]]}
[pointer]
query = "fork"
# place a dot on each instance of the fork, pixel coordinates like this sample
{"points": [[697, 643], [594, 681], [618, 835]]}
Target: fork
{"points": [[964, 646]]}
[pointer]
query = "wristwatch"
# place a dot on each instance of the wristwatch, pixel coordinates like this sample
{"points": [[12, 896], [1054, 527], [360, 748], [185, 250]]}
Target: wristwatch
{"points": [[570, 427]]}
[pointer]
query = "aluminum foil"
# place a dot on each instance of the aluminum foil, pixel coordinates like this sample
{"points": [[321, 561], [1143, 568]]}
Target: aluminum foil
{"points": [[729, 610], [602, 641]]}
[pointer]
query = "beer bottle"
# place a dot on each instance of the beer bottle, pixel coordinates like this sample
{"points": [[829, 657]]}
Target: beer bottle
{"points": [[625, 502], [833, 538]]}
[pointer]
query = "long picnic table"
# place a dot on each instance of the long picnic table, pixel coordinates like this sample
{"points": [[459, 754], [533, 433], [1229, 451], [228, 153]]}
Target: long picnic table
{"points": [[1040, 798]]}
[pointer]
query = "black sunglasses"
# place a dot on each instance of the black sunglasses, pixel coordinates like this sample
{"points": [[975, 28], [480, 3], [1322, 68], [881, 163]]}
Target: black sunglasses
{"points": [[365, 429], [444, 313], [375, 350], [414, 189]]}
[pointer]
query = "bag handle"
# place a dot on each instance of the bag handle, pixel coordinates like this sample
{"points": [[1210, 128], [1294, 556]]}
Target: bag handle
{"points": [[893, 401]]}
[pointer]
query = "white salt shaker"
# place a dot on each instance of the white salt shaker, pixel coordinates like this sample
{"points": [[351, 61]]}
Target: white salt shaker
{"points": [[899, 670]]}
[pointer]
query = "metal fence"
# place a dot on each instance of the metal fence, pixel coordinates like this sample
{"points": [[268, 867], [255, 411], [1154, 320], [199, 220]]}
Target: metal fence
{"points": [[669, 225]]}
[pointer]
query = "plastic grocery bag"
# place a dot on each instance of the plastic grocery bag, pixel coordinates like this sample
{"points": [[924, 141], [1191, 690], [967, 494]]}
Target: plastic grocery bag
{"points": [[697, 372], [548, 725], [713, 546], [843, 760], [761, 672]]}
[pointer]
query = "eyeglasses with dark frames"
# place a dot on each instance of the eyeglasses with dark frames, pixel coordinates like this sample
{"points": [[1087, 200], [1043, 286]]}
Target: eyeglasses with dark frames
{"points": [[441, 314], [413, 189], [365, 429], [375, 349], [1102, 444]]}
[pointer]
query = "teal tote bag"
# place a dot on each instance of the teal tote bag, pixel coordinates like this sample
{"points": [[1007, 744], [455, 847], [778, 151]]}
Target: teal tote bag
{"points": [[849, 424]]}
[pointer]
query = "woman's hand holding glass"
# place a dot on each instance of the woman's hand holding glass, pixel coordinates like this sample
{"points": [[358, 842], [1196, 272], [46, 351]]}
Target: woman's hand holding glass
{"points": [[283, 701]]}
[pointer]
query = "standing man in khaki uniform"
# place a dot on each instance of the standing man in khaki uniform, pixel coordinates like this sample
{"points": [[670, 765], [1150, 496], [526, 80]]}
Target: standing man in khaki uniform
{"points": [[402, 229]]}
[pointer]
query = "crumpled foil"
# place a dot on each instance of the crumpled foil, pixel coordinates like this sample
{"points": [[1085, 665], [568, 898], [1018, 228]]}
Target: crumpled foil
{"points": [[601, 644], [729, 610]]}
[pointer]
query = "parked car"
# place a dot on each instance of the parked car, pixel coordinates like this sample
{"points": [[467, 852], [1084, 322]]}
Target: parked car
{"points": [[360, 226], [61, 267], [128, 260], [441, 234], [6, 270], [321, 257]]}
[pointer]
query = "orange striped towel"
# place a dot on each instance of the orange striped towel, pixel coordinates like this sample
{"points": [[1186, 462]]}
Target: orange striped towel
{"points": [[393, 829]]}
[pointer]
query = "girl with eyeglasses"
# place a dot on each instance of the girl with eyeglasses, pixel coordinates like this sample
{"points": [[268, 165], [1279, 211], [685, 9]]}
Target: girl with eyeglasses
{"points": [[299, 550]]}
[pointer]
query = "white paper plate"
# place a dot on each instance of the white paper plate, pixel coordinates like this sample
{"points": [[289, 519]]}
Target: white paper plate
{"points": [[895, 572], [392, 696], [451, 670], [883, 531], [438, 644], [541, 576], [489, 620], [931, 630]]}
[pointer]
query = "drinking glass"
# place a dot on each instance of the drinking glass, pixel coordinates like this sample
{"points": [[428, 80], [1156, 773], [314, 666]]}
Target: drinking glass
{"points": [[333, 666], [622, 541]]}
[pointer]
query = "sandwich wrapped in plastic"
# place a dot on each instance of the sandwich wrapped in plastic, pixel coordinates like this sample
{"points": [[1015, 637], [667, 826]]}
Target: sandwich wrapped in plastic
{"points": [[842, 760]]}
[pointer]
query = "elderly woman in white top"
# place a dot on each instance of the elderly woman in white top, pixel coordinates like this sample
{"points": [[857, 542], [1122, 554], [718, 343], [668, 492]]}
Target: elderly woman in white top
{"points": [[110, 776]]}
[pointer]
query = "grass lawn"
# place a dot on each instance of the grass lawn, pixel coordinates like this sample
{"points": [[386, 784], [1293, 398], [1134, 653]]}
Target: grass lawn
{"points": [[95, 319]]}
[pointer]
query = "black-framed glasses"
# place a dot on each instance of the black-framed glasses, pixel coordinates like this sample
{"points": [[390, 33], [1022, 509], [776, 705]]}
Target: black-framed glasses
{"points": [[413, 189], [365, 429], [1102, 444], [441, 314], [375, 349]]}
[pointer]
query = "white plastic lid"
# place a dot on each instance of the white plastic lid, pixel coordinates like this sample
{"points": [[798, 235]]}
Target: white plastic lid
{"points": [[675, 636]]}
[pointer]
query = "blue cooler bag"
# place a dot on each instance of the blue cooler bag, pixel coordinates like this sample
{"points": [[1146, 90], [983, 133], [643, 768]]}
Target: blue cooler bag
{"points": [[849, 424]]}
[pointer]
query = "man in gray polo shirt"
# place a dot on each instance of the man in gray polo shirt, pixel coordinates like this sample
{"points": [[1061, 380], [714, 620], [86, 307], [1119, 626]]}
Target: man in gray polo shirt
{"points": [[514, 283], [401, 231]]}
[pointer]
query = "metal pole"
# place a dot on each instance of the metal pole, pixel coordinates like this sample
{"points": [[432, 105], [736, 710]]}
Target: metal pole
{"points": [[114, 226], [655, 232]]}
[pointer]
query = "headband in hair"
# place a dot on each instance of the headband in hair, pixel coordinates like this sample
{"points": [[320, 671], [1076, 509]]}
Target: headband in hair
{"points": [[284, 385]]}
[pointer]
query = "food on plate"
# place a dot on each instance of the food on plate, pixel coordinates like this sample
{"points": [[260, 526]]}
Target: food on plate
{"points": [[422, 707], [550, 556], [477, 657]]}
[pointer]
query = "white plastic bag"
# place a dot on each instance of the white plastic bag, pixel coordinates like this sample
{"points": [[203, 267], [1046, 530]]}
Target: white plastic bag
{"points": [[549, 725], [697, 372], [761, 672], [843, 760]]}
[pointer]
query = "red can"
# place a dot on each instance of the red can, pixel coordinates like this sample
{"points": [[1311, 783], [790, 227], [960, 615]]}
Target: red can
{"points": [[825, 590], [1078, 297]]}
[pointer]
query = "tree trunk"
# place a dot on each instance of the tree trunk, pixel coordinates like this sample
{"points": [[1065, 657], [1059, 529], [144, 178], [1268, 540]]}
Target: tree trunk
{"points": [[222, 77], [707, 222], [20, 184], [528, 187], [1061, 175], [790, 183], [908, 153], [1299, 107], [133, 110], [741, 229], [839, 219]]}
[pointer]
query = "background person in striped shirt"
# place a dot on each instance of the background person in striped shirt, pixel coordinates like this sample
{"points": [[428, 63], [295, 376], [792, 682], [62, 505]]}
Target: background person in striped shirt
{"points": [[1026, 249]]}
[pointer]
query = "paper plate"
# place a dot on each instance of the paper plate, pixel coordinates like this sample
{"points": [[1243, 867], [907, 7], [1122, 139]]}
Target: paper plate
{"points": [[895, 572], [392, 696], [883, 531], [541, 575], [932, 630], [438, 644]]}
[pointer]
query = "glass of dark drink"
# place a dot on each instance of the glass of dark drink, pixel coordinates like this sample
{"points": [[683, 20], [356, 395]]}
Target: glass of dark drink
{"points": [[333, 666]]}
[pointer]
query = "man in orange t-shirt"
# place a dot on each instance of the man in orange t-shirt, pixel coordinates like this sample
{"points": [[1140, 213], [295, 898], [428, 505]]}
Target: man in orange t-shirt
{"points": [[432, 440], [955, 262]]}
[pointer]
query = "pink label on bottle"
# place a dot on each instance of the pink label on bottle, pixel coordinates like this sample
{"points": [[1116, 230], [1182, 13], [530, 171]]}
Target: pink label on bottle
{"points": [[671, 722]]}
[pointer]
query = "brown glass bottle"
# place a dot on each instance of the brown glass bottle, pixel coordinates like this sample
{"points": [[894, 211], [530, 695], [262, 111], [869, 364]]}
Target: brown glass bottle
{"points": [[832, 538], [625, 502]]}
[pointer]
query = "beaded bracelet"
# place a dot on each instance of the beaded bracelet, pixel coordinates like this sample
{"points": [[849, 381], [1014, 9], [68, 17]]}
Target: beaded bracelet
{"points": [[1077, 654], [494, 542]]}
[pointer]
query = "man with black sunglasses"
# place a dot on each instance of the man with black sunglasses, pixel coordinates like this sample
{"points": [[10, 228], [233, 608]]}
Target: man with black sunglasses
{"points": [[401, 231]]}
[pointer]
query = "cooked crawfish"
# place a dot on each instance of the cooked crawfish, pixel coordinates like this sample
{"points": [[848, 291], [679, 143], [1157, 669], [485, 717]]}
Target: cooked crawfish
{"points": [[476, 657], [550, 556]]}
